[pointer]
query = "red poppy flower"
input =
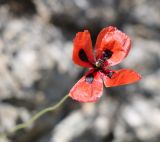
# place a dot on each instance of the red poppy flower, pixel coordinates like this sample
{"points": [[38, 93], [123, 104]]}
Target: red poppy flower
{"points": [[111, 47]]}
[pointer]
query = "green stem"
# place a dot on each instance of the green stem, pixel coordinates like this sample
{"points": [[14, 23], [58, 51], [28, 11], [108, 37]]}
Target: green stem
{"points": [[36, 116]]}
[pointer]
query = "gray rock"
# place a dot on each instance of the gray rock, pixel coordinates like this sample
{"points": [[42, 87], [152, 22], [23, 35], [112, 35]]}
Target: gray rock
{"points": [[139, 121], [142, 11], [78, 13], [144, 55], [9, 115], [90, 123], [29, 50]]}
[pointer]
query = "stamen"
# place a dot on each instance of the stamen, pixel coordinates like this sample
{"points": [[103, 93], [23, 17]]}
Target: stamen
{"points": [[99, 63]]}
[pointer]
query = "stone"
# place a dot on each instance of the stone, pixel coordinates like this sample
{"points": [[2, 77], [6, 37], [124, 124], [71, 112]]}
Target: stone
{"points": [[29, 51], [86, 13], [145, 12], [137, 122]]}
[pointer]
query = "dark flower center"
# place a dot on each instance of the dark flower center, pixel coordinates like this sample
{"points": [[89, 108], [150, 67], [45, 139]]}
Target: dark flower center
{"points": [[99, 63], [106, 54]]}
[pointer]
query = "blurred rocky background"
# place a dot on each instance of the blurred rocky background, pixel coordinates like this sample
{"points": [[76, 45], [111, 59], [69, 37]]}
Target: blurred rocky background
{"points": [[36, 71]]}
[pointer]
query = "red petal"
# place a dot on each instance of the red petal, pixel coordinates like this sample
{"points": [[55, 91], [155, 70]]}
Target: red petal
{"points": [[82, 52], [112, 39], [84, 91], [121, 77]]}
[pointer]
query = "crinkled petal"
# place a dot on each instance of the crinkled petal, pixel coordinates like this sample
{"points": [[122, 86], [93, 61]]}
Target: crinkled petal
{"points": [[121, 77], [112, 40], [82, 51], [89, 88]]}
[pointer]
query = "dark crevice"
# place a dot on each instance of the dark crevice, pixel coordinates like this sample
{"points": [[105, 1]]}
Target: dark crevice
{"points": [[109, 137], [20, 103], [68, 25], [3, 1], [22, 7]]}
